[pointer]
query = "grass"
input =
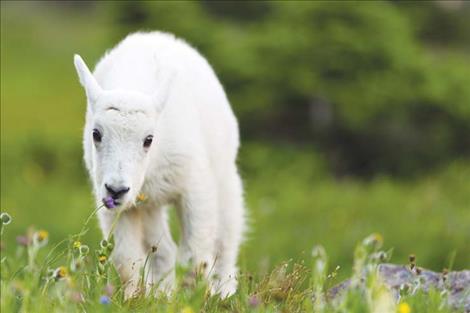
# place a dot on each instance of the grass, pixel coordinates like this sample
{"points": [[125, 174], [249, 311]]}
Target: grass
{"points": [[70, 277]]}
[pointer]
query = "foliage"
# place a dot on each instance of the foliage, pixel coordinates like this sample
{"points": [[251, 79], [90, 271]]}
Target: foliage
{"points": [[379, 87], [354, 79]]}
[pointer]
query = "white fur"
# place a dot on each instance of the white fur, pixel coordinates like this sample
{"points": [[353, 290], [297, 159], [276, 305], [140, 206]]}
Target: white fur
{"points": [[156, 84]]}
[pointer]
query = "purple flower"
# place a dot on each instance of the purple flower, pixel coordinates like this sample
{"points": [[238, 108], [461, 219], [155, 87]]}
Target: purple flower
{"points": [[109, 289], [105, 300], [254, 301], [23, 240], [109, 202], [77, 297]]}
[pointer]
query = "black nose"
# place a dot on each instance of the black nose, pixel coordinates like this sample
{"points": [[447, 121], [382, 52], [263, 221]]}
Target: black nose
{"points": [[116, 192]]}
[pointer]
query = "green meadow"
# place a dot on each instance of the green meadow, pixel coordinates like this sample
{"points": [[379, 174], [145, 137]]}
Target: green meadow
{"points": [[296, 197]]}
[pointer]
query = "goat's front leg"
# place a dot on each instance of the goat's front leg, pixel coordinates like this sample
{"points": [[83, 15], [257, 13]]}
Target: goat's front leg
{"points": [[197, 212], [128, 255], [158, 240]]}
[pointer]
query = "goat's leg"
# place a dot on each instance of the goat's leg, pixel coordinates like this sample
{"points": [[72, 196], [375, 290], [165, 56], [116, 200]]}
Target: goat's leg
{"points": [[198, 216], [231, 226], [158, 240], [128, 255]]}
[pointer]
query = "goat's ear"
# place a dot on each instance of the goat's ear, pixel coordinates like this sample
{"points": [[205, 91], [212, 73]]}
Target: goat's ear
{"points": [[160, 97], [87, 79]]}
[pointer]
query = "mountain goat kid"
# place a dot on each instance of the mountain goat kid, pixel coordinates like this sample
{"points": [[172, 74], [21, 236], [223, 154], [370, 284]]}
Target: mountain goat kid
{"points": [[158, 123]]}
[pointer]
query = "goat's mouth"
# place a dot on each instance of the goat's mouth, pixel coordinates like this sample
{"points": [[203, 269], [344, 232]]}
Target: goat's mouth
{"points": [[110, 203]]}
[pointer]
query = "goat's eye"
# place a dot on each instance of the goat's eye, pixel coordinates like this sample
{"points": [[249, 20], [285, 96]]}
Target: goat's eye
{"points": [[96, 135], [148, 141]]}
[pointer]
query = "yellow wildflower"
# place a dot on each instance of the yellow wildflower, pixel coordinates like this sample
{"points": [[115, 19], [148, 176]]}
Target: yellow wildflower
{"points": [[404, 308], [374, 241], [40, 238], [141, 197], [187, 309], [60, 272], [77, 244], [102, 258], [42, 235], [378, 237]]}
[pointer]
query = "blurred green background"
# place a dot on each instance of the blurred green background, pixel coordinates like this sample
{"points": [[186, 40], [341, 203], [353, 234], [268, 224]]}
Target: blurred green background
{"points": [[355, 118]]}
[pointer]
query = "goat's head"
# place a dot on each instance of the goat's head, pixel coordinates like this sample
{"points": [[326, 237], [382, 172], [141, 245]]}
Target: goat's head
{"points": [[120, 127]]}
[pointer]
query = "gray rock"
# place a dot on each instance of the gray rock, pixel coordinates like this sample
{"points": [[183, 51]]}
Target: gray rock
{"points": [[394, 276]]}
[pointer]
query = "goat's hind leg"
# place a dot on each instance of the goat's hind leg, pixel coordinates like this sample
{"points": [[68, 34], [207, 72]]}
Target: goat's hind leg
{"points": [[230, 232]]}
